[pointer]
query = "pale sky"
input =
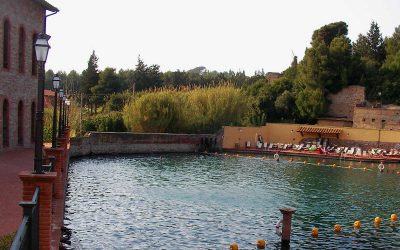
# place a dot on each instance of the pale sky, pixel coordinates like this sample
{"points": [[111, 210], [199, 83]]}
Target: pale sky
{"points": [[218, 34]]}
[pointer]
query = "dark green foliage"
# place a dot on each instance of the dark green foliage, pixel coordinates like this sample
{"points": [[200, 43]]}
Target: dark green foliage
{"points": [[108, 84], [146, 77], [116, 102], [73, 82], [111, 122], [90, 76], [48, 84], [327, 64], [369, 52], [371, 46], [270, 101], [327, 33]]}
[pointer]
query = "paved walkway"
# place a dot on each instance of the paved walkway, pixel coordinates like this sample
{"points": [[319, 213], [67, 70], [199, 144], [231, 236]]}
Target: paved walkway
{"points": [[11, 163]]}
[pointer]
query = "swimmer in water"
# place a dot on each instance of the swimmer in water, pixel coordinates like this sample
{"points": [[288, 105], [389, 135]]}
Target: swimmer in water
{"points": [[381, 167], [276, 156]]}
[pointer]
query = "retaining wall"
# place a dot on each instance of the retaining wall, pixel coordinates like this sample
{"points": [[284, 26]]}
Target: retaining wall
{"points": [[235, 137], [131, 143]]}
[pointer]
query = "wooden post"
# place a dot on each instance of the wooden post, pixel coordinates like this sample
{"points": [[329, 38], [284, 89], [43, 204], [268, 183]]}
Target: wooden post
{"points": [[286, 225]]}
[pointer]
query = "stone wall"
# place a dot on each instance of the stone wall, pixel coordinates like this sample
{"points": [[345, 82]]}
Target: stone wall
{"points": [[343, 103], [16, 86], [376, 118], [130, 143]]}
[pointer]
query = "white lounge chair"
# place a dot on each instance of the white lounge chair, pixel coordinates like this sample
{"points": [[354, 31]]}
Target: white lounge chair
{"points": [[248, 144], [265, 145]]}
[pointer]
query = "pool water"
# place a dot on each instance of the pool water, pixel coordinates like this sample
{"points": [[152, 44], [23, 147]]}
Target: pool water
{"points": [[211, 201]]}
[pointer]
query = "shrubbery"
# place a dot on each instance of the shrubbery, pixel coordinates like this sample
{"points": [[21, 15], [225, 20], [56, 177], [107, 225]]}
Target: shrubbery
{"points": [[111, 122], [198, 110]]}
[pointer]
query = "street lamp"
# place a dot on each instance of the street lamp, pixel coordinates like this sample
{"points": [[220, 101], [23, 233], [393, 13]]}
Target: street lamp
{"points": [[41, 49], [56, 85], [68, 102], [64, 111], [60, 94]]}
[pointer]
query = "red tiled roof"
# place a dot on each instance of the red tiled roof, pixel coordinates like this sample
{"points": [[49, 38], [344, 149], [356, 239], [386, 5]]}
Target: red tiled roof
{"points": [[48, 92], [320, 130]]}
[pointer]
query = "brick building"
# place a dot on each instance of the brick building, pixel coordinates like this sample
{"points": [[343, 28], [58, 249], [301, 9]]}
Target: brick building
{"points": [[385, 117], [272, 76], [342, 105], [20, 22]]}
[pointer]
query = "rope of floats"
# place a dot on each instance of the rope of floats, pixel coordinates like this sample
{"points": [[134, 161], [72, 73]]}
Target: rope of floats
{"points": [[334, 165], [337, 228]]}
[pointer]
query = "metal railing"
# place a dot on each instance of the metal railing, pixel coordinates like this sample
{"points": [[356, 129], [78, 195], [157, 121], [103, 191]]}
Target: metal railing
{"points": [[27, 236], [49, 167]]}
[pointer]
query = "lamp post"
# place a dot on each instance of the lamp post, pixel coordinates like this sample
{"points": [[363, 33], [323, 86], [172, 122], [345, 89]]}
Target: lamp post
{"points": [[56, 85], [68, 102], [64, 111], [60, 94], [41, 49]]}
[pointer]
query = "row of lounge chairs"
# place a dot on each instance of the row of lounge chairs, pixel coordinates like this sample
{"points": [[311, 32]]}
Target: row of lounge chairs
{"points": [[345, 151]]}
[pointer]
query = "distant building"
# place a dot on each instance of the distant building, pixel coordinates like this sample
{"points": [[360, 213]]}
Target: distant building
{"points": [[342, 104], [272, 76], [378, 117], [21, 21], [48, 98], [348, 108]]}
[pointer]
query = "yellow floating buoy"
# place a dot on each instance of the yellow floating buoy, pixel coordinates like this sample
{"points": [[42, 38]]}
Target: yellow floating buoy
{"points": [[334, 165], [314, 232], [261, 244], [398, 172], [305, 162], [337, 228], [225, 154], [393, 217], [357, 224], [377, 221], [318, 164], [365, 169], [349, 167], [291, 159], [234, 246]]}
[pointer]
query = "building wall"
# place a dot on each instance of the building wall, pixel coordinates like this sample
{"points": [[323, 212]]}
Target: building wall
{"points": [[287, 133], [334, 123], [343, 103], [16, 86], [376, 118]]}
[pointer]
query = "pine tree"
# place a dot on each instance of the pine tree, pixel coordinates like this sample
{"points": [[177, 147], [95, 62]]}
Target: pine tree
{"points": [[90, 78]]}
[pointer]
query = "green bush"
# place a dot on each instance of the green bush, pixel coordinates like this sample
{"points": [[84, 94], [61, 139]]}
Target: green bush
{"points": [[198, 110], [6, 241], [48, 124], [116, 102], [111, 122]]}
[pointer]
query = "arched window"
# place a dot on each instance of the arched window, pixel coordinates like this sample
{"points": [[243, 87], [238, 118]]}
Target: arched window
{"points": [[33, 59], [33, 113], [5, 124], [6, 44], [20, 123], [21, 50]]}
